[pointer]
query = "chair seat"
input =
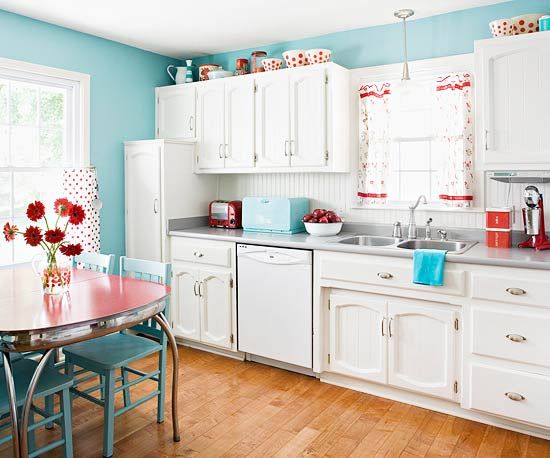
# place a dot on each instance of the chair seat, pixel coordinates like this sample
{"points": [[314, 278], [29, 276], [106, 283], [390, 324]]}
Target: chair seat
{"points": [[110, 352], [51, 381], [13, 357]]}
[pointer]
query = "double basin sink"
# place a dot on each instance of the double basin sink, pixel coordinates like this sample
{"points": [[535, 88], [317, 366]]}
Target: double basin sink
{"points": [[451, 246]]}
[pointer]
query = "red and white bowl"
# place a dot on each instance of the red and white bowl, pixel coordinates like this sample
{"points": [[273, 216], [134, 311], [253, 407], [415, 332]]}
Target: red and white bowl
{"points": [[318, 56], [271, 64], [502, 27], [295, 58], [526, 23]]}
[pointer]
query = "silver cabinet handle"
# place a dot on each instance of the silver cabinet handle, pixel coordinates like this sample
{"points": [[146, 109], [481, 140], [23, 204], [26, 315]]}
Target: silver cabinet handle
{"points": [[384, 275], [200, 289], [198, 254], [514, 396], [225, 148], [516, 291], [191, 122], [291, 143], [389, 327], [286, 149], [382, 326], [220, 150], [486, 140], [195, 288], [516, 338], [155, 206]]}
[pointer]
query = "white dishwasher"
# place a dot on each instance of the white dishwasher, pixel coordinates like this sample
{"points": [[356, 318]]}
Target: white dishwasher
{"points": [[275, 303]]}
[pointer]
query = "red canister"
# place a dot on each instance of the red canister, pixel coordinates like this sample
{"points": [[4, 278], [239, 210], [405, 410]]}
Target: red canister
{"points": [[498, 218], [498, 238], [241, 67]]}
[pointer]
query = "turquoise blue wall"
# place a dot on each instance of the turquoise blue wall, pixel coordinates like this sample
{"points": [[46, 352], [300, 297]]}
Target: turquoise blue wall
{"points": [[436, 36], [122, 99]]}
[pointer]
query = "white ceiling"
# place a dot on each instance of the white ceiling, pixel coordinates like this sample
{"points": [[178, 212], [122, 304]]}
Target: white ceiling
{"points": [[184, 28]]}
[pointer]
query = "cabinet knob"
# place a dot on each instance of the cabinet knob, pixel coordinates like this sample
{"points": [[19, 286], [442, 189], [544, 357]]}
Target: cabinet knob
{"points": [[195, 291], [516, 291], [191, 122], [155, 206], [516, 338], [514, 396], [384, 275], [198, 254]]}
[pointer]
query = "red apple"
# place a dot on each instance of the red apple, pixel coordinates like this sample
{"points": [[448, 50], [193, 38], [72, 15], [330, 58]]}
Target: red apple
{"points": [[324, 220], [307, 217], [313, 220], [319, 212], [333, 218], [336, 219]]}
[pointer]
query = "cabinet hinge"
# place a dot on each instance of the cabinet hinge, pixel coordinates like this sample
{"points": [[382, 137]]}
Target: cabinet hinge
{"points": [[157, 100], [329, 304], [197, 158], [255, 87], [231, 339], [328, 358], [456, 324], [326, 79], [231, 283], [158, 130], [455, 386], [326, 155], [255, 157]]}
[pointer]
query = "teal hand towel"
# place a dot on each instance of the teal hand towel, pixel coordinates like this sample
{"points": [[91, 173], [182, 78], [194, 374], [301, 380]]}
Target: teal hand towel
{"points": [[428, 267]]}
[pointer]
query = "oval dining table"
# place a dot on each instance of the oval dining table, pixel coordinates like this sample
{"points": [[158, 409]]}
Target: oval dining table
{"points": [[96, 304]]}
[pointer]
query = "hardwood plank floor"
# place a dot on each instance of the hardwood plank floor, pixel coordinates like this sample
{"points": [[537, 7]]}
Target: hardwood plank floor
{"points": [[235, 409]]}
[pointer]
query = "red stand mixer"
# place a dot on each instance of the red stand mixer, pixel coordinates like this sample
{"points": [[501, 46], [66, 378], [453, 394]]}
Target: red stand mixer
{"points": [[533, 220]]}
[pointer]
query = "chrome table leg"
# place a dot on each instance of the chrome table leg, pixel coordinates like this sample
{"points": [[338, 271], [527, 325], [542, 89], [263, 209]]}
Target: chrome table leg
{"points": [[13, 403], [23, 443], [161, 320]]}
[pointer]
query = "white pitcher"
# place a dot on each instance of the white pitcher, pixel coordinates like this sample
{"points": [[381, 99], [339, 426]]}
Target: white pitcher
{"points": [[180, 74]]}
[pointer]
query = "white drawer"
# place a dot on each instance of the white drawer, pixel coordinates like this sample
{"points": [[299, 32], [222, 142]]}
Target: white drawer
{"points": [[202, 251], [398, 273], [491, 389], [510, 289], [518, 337]]}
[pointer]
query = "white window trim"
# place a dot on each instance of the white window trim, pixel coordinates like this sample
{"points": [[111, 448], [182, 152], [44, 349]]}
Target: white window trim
{"points": [[82, 115], [418, 69]]}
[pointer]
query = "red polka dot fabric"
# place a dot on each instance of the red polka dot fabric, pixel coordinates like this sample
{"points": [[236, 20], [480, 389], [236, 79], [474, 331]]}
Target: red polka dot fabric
{"points": [[80, 187]]}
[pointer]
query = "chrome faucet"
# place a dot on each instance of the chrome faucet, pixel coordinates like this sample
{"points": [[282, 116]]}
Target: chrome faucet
{"points": [[412, 208], [442, 235], [428, 229]]}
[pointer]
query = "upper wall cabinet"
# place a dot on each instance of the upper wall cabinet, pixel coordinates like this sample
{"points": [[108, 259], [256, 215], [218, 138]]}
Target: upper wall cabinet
{"points": [[175, 112], [512, 100]]}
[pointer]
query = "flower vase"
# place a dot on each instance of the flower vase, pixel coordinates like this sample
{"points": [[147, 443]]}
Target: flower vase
{"points": [[54, 273]]}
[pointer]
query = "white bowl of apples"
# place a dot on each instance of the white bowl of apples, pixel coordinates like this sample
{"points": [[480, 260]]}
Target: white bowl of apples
{"points": [[322, 223]]}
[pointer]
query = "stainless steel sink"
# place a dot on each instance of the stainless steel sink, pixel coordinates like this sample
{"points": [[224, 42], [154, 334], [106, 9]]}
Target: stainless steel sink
{"points": [[451, 246], [369, 240]]}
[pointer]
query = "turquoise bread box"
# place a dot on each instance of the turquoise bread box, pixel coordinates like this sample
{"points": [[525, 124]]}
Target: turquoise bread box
{"points": [[281, 215]]}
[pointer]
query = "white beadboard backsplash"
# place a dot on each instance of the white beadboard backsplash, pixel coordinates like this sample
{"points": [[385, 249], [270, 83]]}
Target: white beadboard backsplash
{"points": [[336, 191]]}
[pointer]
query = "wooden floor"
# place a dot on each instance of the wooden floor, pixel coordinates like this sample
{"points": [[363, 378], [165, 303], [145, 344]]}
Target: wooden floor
{"points": [[233, 409]]}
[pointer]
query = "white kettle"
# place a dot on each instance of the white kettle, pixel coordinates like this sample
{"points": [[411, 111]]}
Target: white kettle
{"points": [[180, 73]]}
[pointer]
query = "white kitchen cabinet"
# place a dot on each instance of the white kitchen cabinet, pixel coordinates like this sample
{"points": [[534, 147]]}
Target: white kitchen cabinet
{"points": [[215, 290], [175, 112], [211, 128], [422, 347], [185, 303], [158, 174], [512, 99], [358, 344]]}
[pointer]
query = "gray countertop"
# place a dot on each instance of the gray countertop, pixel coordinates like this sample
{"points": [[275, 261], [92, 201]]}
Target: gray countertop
{"points": [[479, 254]]}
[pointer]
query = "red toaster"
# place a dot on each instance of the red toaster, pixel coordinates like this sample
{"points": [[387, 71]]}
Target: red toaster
{"points": [[224, 213]]}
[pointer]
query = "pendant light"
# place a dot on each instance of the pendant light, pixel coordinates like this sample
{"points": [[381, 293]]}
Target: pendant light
{"points": [[404, 15]]}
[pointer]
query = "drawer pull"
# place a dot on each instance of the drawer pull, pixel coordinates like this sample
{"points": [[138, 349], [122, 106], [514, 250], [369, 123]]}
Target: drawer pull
{"points": [[384, 275], [389, 327], [198, 254], [382, 326], [516, 291], [195, 288], [514, 396], [516, 338]]}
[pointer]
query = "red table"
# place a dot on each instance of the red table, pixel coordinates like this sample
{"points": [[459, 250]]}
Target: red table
{"points": [[96, 304]]}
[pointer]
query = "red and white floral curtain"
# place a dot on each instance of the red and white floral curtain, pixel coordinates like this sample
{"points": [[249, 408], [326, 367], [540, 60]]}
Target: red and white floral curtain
{"points": [[454, 130], [374, 142], [80, 187]]}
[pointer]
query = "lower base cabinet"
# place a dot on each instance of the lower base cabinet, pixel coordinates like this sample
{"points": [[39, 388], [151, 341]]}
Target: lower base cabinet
{"points": [[400, 342]]}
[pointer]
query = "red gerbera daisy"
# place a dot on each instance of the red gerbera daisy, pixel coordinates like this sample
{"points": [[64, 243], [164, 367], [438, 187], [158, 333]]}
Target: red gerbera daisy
{"points": [[62, 207], [10, 231], [76, 215], [71, 250], [54, 235], [36, 210], [33, 236]]}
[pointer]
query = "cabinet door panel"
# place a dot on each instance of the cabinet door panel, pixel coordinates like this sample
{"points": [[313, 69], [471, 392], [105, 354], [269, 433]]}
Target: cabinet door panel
{"points": [[272, 121], [308, 118], [143, 212], [358, 345], [239, 123], [216, 320], [422, 348], [176, 112], [211, 132], [185, 302]]}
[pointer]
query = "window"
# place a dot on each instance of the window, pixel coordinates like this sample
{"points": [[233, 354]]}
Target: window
{"points": [[42, 131]]}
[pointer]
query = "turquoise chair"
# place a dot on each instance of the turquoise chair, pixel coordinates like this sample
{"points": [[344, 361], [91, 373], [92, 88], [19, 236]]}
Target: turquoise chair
{"points": [[51, 382], [105, 355], [97, 262]]}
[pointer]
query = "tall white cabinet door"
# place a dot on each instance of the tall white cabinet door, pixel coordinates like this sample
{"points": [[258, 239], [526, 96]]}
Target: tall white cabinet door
{"points": [[211, 132], [513, 96], [176, 112], [215, 292], [185, 306], [142, 173], [239, 123], [358, 344], [272, 121], [308, 133], [422, 345]]}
